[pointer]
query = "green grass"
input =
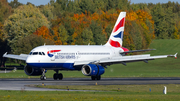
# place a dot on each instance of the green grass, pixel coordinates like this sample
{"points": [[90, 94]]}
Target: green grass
{"points": [[165, 46], [172, 88], [126, 93], [168, 67]]}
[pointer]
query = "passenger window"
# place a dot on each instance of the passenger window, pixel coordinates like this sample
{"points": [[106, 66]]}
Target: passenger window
{"points": [[40, 53]]}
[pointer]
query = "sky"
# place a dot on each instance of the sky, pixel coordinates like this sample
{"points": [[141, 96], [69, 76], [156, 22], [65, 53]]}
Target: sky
{"points": [[44, 2], [153, 1]]}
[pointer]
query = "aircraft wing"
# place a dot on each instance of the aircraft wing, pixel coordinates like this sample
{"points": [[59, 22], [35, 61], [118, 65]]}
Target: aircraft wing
{"points": [[121, 59], [19, 57]]}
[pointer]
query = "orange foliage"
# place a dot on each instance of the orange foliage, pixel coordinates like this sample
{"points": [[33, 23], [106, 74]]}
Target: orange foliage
{"points": [[44, 32], [81, 21], [56, 37], [132, 16]]}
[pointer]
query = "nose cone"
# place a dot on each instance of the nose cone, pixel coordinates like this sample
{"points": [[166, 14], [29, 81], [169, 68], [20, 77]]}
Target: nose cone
{"points": [[28, 60]]}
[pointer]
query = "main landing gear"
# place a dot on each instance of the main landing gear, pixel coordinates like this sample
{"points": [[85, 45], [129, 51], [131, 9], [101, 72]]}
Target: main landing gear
{"points": [[96, 77], [57, 75], [43, 77]]}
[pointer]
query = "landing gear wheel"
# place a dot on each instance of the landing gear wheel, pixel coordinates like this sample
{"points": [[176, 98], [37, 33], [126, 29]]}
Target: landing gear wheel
{"points": [[98, 77], [93, 77], [60, 76], [55, 76], [43, 77]]}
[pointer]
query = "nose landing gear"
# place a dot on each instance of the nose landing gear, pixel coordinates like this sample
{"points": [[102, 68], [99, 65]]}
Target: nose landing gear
{"points": [[43, 77]]}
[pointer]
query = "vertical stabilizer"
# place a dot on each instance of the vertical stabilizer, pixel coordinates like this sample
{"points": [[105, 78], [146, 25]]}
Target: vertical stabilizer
{"points": [[116, 37]]}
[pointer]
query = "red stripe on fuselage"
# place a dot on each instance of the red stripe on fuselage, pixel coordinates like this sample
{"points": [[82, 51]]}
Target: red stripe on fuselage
{"points": [[52, 51]]}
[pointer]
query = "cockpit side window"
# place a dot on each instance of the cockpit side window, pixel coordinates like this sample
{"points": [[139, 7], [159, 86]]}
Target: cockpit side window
{"points": [[40, 53], [43, 53], [30, 53]]}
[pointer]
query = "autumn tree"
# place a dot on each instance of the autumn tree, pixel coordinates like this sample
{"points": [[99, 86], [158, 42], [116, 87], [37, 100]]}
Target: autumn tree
{"points": [[47, 11], [87, 37], [26, 44], [24, 21], [15, 4], [99, 37], [44, 32], [5, 10]]}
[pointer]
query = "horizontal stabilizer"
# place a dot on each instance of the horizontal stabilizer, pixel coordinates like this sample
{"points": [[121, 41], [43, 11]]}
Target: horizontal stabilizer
{"points": [[132, 51], [175, 55]]}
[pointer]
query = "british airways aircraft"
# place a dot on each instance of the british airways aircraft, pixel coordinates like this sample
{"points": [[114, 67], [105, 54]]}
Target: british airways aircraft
{"points": [[90, 59]]}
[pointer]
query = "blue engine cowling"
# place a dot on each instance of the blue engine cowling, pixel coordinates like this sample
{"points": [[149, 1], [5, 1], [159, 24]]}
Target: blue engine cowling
{"points": [[32, 71], [92, 70]]}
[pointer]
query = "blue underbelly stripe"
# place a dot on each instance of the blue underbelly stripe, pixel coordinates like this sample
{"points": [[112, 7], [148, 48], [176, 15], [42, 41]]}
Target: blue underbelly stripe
{"points": [[69, 66]]}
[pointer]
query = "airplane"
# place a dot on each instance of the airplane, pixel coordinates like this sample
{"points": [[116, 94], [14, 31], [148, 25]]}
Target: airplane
{"points": [[90, 59]]}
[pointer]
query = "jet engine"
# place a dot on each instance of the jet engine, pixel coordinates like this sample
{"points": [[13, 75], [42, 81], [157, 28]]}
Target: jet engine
{"points": [[92, 70], [32, 71]]}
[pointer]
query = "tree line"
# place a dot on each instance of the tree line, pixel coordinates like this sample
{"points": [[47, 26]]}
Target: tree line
{"points": [[80, 22]]}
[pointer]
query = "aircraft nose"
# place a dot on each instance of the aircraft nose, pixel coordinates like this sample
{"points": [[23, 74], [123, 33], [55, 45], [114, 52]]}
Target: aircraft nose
{"points": [[28, 60]]}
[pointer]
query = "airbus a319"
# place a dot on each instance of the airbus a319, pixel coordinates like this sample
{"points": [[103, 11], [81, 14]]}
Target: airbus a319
{"points": [[90, 59]]}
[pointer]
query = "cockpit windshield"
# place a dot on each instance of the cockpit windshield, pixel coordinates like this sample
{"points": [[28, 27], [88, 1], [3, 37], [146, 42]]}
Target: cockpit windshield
{"points": [[36, 53]]}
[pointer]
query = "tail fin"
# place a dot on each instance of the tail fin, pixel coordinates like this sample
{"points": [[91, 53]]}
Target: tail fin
{"points": [[116, 37]]}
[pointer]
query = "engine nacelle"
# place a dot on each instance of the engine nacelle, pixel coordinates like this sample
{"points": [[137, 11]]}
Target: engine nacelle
{"points": [[92, 70], [32, 71]]}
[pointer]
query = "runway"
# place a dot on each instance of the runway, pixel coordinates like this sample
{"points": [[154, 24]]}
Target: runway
{"points": [[21, 84]]}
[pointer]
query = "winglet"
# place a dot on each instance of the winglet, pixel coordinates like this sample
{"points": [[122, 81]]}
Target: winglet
{"points": [[5, 54]]}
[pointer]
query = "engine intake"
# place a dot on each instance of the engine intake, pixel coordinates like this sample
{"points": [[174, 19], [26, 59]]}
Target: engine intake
{"points": [[32, 71], [92, 70]]}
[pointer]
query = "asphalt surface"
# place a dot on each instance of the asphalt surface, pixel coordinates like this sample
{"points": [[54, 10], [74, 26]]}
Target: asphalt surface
{"points": [[21, 84]]}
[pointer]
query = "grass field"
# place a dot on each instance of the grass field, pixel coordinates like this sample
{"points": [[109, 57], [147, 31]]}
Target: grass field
{"points": [[107, 93]]}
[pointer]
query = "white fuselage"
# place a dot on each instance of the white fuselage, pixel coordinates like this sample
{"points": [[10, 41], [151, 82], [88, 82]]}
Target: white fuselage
{"points": [[64, 56]]}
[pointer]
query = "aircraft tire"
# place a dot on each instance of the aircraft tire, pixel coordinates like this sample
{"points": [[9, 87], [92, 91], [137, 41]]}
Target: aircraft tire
{"points": [[98, 77], [60, 76], [55, 76], [93, 77], [43, 77]]}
